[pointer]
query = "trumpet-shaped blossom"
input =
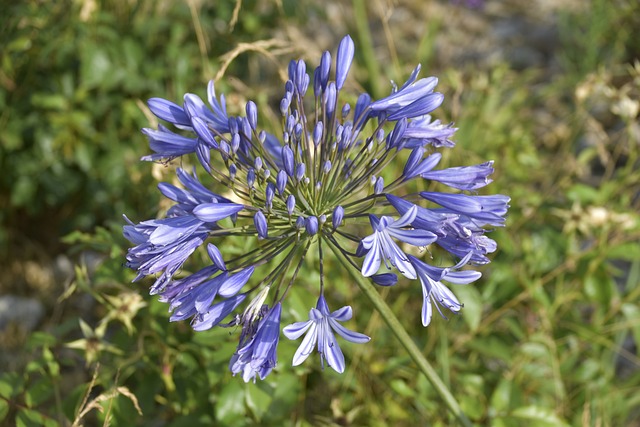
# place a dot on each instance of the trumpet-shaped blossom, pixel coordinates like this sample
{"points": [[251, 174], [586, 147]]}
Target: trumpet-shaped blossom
{"points": [[434, 292], [320, 332], [258, 356], [381, 246], [334, 176]]}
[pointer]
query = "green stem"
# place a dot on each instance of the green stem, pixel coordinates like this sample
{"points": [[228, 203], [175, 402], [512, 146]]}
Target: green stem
{"points": [[401, 334]]}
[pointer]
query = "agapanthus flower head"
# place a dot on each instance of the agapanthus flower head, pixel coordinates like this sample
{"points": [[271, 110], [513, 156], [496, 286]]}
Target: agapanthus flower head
{"points": [[333, 176]]}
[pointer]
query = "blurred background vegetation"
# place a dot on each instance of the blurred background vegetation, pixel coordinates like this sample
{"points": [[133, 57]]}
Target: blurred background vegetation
{"points": [[549, 90]]}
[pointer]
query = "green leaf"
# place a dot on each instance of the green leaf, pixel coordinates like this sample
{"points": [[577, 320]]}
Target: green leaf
{"points": [[501, 397], [31, 418], [4, 409], [537, 416], [599, 287], [472, 300], [582, 193], [401, 387], [230, 406], [259, 397], [285, 396], [49, 102], [11, 384], [38, 393], [628, 251], [52, 363], [492, 346]]}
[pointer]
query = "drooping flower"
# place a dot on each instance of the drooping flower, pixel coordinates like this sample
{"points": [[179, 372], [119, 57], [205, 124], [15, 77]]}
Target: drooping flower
{"points": [[329, 170], [434, 292], [258, 356], [320, 329]]}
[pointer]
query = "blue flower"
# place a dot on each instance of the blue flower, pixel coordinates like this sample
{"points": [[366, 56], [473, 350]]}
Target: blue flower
{"points": [[435, 292], [381, 246], [326, 180], [320, 329], [257, 355]]}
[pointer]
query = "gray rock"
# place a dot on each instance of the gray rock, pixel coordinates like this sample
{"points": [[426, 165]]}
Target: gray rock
{"points": [[26, 312]]}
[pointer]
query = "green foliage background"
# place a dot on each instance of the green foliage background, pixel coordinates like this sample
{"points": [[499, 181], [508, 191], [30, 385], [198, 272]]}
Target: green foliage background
{"points": [[548, 337]]}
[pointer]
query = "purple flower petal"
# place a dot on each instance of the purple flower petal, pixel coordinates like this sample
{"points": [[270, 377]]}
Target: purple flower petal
{"points": [[213, 212]]}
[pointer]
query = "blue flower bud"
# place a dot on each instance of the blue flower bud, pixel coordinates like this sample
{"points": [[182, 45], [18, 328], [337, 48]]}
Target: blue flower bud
{"points": [[346, 51], [235, 142], [233, 125], [325, 69], [346, 109], [257, 163], [291, 203], [419, 107], [246, 127], [287, 160], [288, 86], [300, 74], [412, 162], [300, 223], [300, 170], [346, 134], [202, 130], [260, 222], [290, 123], [329, 99], [396, 134], [284, 106], [424, 166], [327, 166], [292, 71], [167, 110], [224, 147], [203, 153], [379, 186], [269, 193], [361, 104], [338, 133], [252, 114], [311, 225], [251, 177], [337, 216], [281, 181], [234, 283], [216, 257], [317, 133], [305, 84], [385, 279], [317, 84]]}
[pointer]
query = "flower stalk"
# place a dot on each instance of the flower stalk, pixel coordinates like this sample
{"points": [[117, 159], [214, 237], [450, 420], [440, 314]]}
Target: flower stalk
{"points": [[405, 340]]}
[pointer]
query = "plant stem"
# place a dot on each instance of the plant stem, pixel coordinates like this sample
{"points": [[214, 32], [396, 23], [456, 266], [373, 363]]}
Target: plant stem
{"points": [[401, 334]]}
